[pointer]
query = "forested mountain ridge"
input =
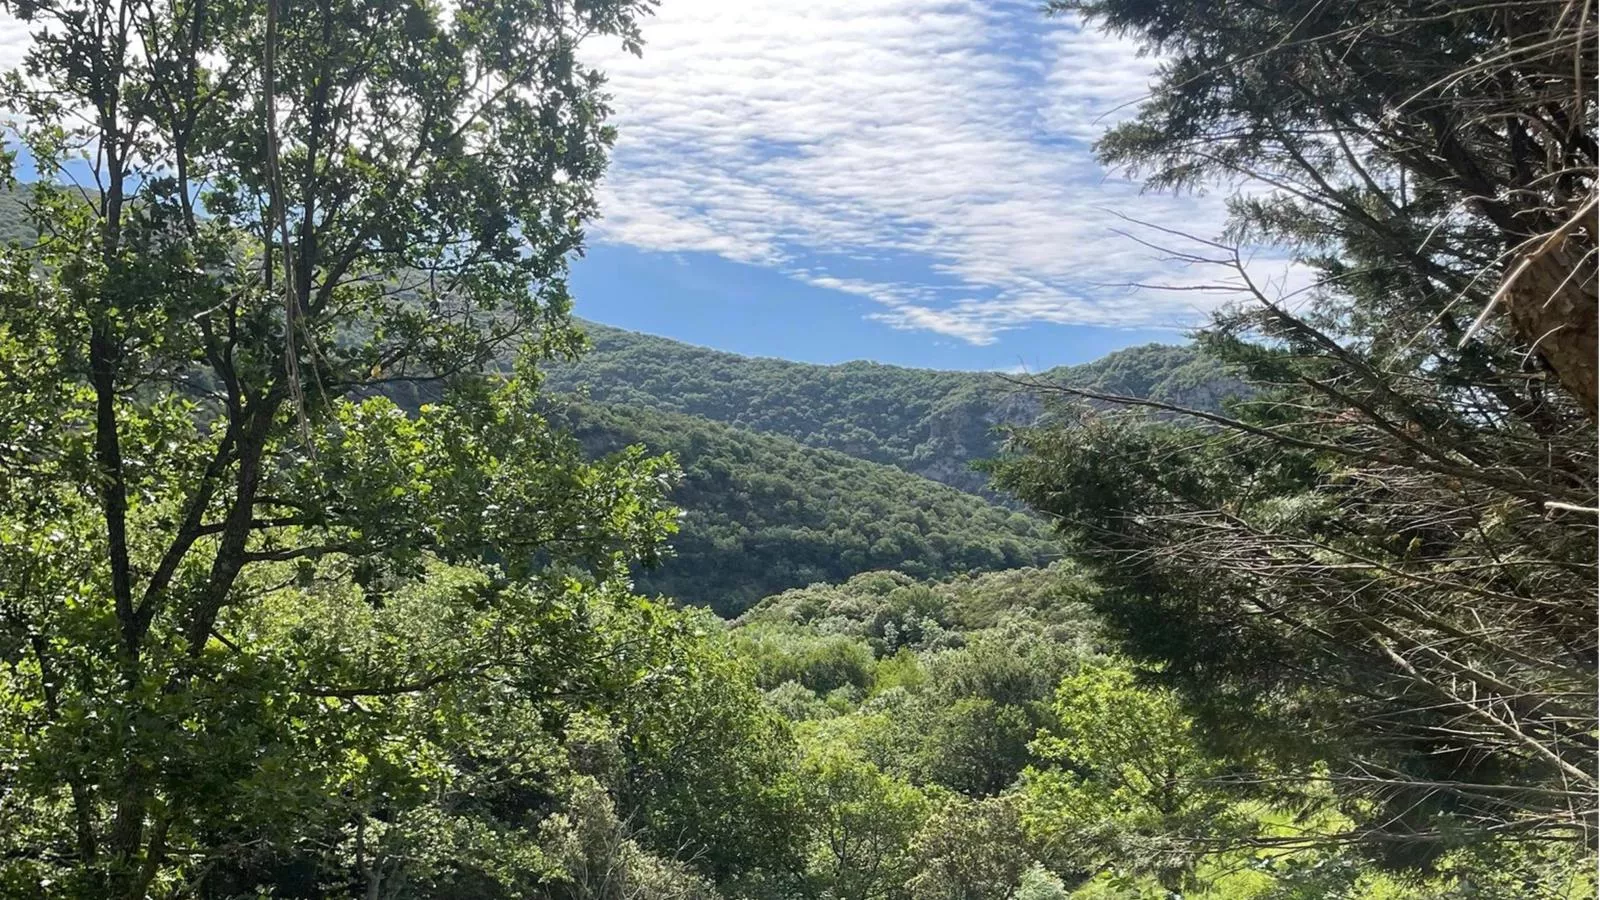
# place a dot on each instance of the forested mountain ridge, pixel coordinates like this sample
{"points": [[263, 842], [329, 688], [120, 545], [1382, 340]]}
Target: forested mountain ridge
{"points": [[763, 513], [795, 473], [928, 422]]}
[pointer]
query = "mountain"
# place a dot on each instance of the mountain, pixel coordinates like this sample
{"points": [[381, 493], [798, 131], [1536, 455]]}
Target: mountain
{"points": [[764, 513], [927, 422], [797, 474]]}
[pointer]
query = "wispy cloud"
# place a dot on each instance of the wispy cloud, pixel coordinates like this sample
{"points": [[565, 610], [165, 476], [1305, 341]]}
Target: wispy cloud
{"points": [[932, 155]]}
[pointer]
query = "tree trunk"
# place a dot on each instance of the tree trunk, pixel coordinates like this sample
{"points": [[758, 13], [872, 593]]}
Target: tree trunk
{"points": [[1553, 306]]}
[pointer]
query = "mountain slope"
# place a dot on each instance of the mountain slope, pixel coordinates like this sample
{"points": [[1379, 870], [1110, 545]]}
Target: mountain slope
{"points": [[928, 422], [764, 513]]}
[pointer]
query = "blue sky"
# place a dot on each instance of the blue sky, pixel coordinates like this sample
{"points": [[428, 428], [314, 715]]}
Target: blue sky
{"points": [[707, 300], [910, 181]]}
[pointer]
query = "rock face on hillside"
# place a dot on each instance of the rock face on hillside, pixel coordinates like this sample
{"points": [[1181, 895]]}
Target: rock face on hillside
{"points": [[927, 422]]}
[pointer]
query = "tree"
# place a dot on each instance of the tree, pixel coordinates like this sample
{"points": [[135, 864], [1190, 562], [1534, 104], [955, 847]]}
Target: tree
{"points": [[974, 745], [464, 788], [1289, 592], [603, 862], [1390, 542], [1039, 883], [707, 770], [862, 822], [1124, 784], [288, 210], [970, 850], [1455, 143]]}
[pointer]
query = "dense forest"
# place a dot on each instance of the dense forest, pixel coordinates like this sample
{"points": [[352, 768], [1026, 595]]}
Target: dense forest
{"points": [[337, 559], [930, 423], [762, 513], [777, 482]]}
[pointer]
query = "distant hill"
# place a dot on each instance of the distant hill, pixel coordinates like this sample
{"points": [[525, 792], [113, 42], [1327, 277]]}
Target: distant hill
{"points": [[927, 422], [764, 513], [16, 227]]}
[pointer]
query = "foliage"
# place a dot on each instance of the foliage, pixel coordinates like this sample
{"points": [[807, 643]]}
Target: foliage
{"points": [[764, 513], [600, 861], [971, 850], [930, 423], [1051, 769], [953, 709], [1039, 883], [1294, 591], [892, 609], [433, 743], [1125, 785], [1446, 152], [706, 771], [820, 664], [1391, 544], [862, 821], [918, 726]]}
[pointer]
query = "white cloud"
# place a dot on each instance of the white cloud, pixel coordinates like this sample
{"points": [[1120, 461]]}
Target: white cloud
{"points": [[14, 39], [932, 155]]}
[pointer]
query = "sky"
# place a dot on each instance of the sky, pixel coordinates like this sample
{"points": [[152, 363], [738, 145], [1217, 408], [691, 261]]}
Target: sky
{"points": [[907, 181], [911, 181]]}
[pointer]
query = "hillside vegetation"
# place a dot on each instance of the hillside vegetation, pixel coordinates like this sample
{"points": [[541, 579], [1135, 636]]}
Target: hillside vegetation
{"points": [[979, 737], [763, 513], [928, 422]]}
